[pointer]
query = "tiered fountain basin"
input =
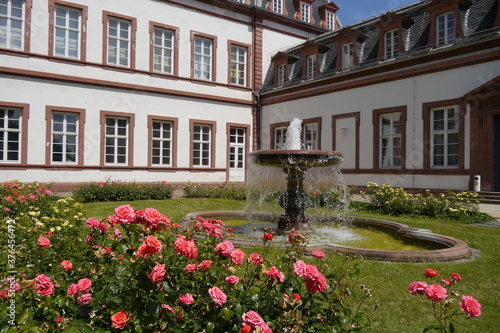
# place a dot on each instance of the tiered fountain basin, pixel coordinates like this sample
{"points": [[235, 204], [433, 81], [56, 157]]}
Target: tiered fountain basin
{"points": [[435, 248], [293, 157]]}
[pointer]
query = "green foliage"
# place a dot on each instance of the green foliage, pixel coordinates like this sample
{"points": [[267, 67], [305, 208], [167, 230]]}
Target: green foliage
{"points": [[118, 191], [461, 206], [230, 191]]}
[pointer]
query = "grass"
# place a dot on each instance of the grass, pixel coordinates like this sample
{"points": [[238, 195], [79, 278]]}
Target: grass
{"points": [[397, 311]]}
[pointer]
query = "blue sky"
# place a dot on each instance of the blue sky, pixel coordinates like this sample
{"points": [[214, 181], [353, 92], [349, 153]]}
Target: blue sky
{"points": [[352, 11]]}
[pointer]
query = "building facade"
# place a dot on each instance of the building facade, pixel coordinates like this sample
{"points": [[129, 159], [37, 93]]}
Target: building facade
{"points": [[410, 97], [149, 90]]}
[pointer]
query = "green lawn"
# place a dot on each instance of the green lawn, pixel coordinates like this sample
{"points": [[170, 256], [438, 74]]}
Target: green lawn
{"points": [[397, 312]]}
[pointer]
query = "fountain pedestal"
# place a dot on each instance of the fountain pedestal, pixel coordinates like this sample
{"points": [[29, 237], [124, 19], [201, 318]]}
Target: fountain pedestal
{"points": [[294, 201]]}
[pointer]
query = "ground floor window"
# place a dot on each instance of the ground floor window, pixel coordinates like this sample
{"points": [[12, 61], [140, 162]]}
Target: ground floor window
{"points": [[445, 136], [390, 140], [10, 134], [116, 140]]}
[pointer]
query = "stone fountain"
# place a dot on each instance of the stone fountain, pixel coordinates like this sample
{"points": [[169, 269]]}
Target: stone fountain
{"points": [[295, 163]]}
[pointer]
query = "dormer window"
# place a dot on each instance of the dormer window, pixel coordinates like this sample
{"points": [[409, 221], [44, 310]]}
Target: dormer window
{"points": [[305, 12], [390, 35], [391, 44], [281, 76], [445, 25], [311, 66], [311, 52], [281, 61], [347, 56], [278, 6], [328, 15], [445, 29]]}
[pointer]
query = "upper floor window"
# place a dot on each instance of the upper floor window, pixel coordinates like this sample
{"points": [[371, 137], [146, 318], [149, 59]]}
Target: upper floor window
{"points": [[390, 140], [119, 41], [239, 60], [67, 32], [311, 66], [12, 24], [445, 29], [330, 20], [310, 136], [391, 45], [281, 75], [278, 6], [347, 56], [280, 137], [445, 136], [10, 134], [64, 137], [305, 12], [163, 50], [203, 58]]}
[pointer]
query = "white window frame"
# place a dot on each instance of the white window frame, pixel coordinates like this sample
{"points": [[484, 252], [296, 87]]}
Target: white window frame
{"points": [[391, 44], [311, 66], [239, 55], [390, 155], [116, 139], [202, 145], [162, 136], [280, 137], [347, 56], [237, 153], [63, 31], [445, 34], [305, 12], [68, 132], [12, 33], [163, 50], [202, 60], [122, 50], [8, 134], [445, 137], [310, 136], [330, 20], [281, 75], [278, 6]]}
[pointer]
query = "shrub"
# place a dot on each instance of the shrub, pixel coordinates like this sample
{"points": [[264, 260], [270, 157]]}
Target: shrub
{"points": [[230, 191], [138, 272], [118, 191], [461, 206]]}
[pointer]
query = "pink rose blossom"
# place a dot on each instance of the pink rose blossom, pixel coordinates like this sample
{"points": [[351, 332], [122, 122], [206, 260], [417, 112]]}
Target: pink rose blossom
{"points": [[311, 272], [93, 223], [84, 285], [267, 236], [84, 299], [119, 320], [252, 319], [299, 268], [274, 273], [158, 273], [470, 306], [67, 265], [205, 265], [430, 273], [59, 319], [232, 279], [217, 295], [417, 288], [44, 242], [318, 285], [237, 257], [256, 259], [104, 227], [436, 293], [73, 289], [150, 247], [318, 255], [186, 248], [190, 268], [43, 285], [186, 299], [456, 277], [125, 214], [224, 248]]}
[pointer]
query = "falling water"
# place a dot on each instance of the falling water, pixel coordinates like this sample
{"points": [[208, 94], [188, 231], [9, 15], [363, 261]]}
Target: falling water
{"points": [[293, 135]]}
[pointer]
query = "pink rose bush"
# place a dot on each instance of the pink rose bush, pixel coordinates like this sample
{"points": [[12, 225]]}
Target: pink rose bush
{"points": [[440, 295], [135, 270]]}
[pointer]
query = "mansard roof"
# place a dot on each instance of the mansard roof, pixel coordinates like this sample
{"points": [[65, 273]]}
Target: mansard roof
{"points": [[478, 19]]}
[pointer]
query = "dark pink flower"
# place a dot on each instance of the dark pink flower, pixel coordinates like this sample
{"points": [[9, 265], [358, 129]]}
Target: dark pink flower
{"points": [[430, 273], [456, 277], [470, 306], [256, 259], [66, 265], [436, 293], [318, 255], [217, 295], [93, 223], [190, 268], [267, 236], [252, 319], [158, 273], [43, 285], [318, 285], [274, 273], [186, 248], [417, 288], [125, 214], [299, 268], [205, 265], [84, 299], [224, 248], [186, 298], [84, 285], [44, 242], [73, 289], [232, 279], [119, 320], [238, 257]]}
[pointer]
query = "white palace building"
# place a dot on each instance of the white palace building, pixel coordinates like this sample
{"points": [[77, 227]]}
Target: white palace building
{"points": [[182, 90]]}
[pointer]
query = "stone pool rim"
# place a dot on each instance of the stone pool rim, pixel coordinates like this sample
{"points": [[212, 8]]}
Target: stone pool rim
{"points": [[455, 249]]}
